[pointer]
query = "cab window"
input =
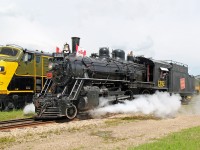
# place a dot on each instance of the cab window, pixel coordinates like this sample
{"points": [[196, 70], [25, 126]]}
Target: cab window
{"points": [[163, 74], [8, 51], [28, 57]]}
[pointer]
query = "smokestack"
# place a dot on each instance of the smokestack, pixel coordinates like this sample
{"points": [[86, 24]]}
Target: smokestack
{"points": [[75, 41]]}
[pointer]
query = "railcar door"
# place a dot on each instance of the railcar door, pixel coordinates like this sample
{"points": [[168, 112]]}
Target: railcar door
{"points": [[25, 72]]}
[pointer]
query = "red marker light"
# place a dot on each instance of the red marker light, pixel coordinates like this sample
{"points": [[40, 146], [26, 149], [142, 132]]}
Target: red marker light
{"points": [[49, 75]]}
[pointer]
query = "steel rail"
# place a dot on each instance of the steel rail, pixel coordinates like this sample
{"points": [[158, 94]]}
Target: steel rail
{"points": [[16, 120], [20, 124]]}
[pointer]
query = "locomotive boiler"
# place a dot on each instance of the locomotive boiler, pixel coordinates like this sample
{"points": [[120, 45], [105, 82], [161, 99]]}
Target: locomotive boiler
{"points": [[75, 84]]}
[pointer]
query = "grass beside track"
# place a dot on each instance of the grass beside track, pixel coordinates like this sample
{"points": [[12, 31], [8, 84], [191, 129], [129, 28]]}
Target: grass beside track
{"points": [[15, 114], [187, 139]]}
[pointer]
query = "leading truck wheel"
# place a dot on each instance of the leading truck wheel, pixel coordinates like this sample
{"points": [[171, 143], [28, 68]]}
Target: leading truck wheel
{"points": [[71, 112], [145, 92]]}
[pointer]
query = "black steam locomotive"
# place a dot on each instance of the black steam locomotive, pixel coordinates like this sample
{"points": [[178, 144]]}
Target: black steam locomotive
{"points": [[75, 84]]}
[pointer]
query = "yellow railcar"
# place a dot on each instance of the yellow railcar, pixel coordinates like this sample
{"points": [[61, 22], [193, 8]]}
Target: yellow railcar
{"points": [[22, 73]]}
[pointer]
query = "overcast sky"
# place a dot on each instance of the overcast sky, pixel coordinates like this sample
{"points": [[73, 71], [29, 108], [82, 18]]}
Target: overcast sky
{"points": [[161, 29]]}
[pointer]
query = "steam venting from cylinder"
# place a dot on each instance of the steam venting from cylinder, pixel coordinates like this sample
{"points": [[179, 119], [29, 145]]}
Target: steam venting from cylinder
{"points": [[75, 42]]}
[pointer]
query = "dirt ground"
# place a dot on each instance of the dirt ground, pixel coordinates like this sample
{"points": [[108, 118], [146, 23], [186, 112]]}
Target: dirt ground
{"points": [[115, 132]]}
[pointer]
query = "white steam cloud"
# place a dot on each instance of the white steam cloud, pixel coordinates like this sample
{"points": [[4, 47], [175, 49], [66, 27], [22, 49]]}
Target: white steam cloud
{"points": [[160, 104], [28, 109]]}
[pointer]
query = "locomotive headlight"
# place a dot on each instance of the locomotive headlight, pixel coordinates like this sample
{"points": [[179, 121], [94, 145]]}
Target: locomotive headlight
{"points": [[2, 69], [50, 66]]}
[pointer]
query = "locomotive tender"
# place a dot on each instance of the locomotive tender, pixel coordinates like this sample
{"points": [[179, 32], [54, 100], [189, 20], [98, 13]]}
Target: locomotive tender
{"points": [[75, 84], [22, 74]]}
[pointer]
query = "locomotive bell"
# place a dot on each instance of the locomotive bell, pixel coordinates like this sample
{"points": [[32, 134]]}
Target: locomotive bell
{"points": [[66, 48]]}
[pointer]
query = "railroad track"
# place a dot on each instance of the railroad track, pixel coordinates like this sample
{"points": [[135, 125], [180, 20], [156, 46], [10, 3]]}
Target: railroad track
{"points": [[21, 123]]}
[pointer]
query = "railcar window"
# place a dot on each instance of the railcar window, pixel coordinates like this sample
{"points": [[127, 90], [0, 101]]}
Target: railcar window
{"points": [[37, 59], [30, 57], [8, 51]]}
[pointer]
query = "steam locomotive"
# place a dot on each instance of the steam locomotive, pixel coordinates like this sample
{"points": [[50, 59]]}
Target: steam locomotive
{"points": [[75, 84]]}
